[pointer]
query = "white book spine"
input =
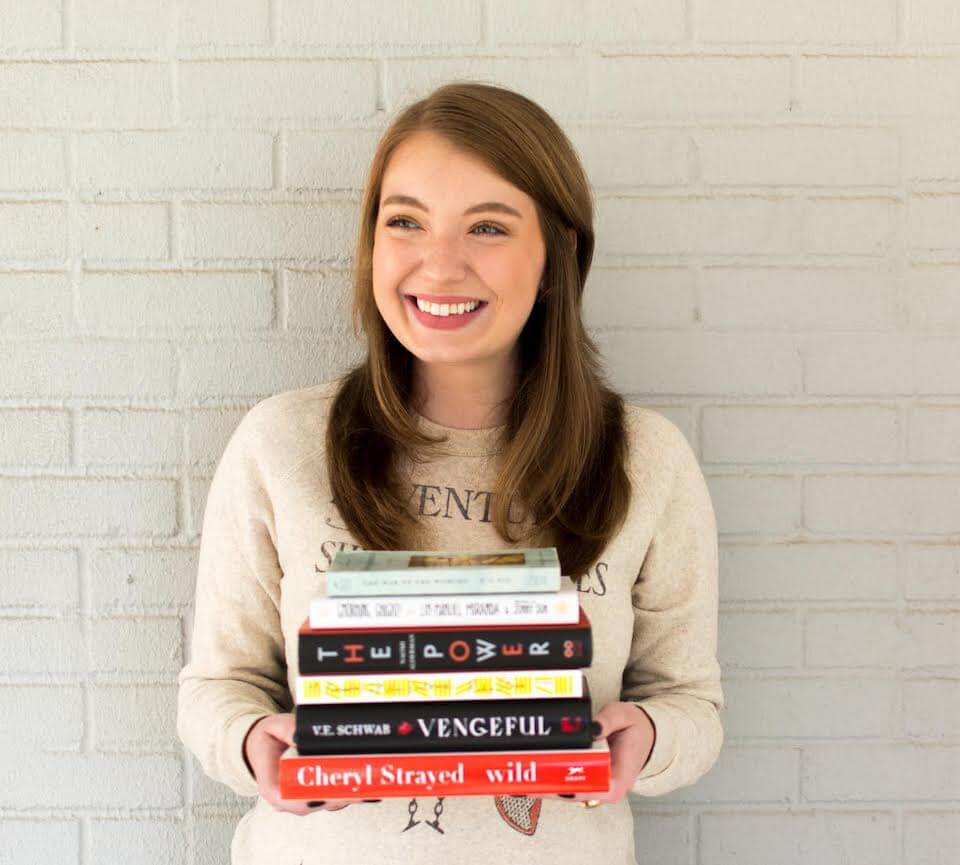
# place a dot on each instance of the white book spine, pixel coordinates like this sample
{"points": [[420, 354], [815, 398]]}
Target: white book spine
{"points": [[413, 611], [418, 687], [451, 582]]}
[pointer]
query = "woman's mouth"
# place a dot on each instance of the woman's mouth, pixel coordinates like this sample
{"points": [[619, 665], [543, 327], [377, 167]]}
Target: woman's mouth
{"points": [[449, 321]]}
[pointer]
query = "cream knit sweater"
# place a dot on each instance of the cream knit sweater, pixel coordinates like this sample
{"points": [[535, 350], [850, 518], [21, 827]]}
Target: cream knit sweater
{"points": [[269, 532]]}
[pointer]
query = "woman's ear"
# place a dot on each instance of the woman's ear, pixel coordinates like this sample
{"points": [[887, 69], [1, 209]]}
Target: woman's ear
{"points": [[573, 237]]}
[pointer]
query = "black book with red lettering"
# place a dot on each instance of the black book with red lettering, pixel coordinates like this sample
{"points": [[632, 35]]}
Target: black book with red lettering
{"points": [[494, 647], [475, 725]]}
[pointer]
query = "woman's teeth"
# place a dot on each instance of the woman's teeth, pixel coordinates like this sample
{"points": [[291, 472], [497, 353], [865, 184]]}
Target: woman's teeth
{"points": [[447, 308]]}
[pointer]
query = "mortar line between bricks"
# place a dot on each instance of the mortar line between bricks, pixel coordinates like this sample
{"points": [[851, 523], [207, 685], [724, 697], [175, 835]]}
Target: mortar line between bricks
{"points": [[585, 51], [177, 349], [380, 88], [276, 22], [901, 721], [190, 827], [795, 83], [817, 807], [900, 834], [186, 769], [109, 679], [73, 239], [74, 414], [86, 630], [690, 192], [801, 618], [904, 605], [173, 230], [484, 20], [803, 530], [104, 813], [799, 487], [867, 605], [171, 53], [238, 400], [67, 18], [757, 807], [84, 840], [798, 798], [744, 675], [695, 830], [279, 143], [852, 740], [838, 674], [281, 296], [696, 428], [184, 507], [321, 53], [904, 419], [718, 471]]}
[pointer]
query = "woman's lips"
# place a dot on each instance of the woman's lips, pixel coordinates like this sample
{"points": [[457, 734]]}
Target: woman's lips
{"points": [[445, 322]]}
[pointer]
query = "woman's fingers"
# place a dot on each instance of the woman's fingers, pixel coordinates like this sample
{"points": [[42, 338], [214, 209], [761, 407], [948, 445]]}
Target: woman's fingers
{"points": [[617, 716], [337, 804], [574, 798], [266, 742]]}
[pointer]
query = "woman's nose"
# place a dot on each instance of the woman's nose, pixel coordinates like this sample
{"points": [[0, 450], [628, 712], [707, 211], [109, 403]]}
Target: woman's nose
{"points": [[443, 260]]}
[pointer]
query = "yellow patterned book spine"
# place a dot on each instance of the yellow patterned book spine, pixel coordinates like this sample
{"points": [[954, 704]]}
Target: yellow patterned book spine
{"points": [[413, 687]]}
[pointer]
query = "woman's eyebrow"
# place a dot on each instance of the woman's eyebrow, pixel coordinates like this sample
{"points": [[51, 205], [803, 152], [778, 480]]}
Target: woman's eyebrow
{"points": [[495, 206]]}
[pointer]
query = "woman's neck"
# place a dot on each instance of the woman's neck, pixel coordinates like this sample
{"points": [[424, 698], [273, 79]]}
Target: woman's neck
{"points": [[464, 396]]}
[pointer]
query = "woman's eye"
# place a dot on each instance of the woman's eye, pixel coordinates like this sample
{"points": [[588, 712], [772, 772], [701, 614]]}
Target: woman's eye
{"points": [[496, 229], [397, 219], [402, 219]]}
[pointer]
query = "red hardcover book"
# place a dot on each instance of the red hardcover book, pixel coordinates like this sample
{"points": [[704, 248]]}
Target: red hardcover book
{"points": [[453, 773]]}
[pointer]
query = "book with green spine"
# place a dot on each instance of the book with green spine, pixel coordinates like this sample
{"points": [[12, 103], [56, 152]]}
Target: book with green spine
{"points": [[443, 572]]}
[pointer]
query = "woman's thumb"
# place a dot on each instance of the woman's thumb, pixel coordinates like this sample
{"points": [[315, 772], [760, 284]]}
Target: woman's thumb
{"points": [[283, 728]]}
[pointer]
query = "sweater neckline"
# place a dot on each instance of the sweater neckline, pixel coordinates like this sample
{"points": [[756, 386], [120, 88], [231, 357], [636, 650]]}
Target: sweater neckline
{"points": [[484, 441]]}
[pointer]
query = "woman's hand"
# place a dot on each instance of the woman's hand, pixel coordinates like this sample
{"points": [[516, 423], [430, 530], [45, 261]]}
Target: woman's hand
{"points": [[266, 740], [630, 736]]}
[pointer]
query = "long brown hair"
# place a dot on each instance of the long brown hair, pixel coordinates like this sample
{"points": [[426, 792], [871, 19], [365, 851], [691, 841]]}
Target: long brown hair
{"points": [[564, 445]]}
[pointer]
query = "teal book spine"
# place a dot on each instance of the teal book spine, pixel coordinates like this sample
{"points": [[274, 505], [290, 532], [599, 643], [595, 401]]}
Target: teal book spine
{"points": [[441, 572]]}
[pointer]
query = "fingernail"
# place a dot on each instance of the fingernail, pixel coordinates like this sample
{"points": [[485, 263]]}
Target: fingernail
{"points": [[595, 728], [567, 795], [316, 804]]}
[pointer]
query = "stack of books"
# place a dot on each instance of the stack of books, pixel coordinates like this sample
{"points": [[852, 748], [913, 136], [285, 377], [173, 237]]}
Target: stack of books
{"points": [[444, 674]]}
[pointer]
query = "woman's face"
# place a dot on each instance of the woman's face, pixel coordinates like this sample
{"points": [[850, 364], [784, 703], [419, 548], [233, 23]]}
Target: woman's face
{"points": [[431, 244]]}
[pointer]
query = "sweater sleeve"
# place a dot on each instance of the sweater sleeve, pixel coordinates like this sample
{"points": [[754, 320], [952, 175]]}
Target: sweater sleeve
{"points": [[672, 671], [236, 673]]}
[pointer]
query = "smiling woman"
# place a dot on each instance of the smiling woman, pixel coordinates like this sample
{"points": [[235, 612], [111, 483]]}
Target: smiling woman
{"points": [[478, 420]]}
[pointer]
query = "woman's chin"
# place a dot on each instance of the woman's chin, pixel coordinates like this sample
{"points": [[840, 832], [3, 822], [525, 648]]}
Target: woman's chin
{"points": [[457, 354]]}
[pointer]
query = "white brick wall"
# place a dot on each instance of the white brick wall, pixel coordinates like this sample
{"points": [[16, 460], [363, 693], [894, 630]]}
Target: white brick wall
{"points": [[777, 270]]}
